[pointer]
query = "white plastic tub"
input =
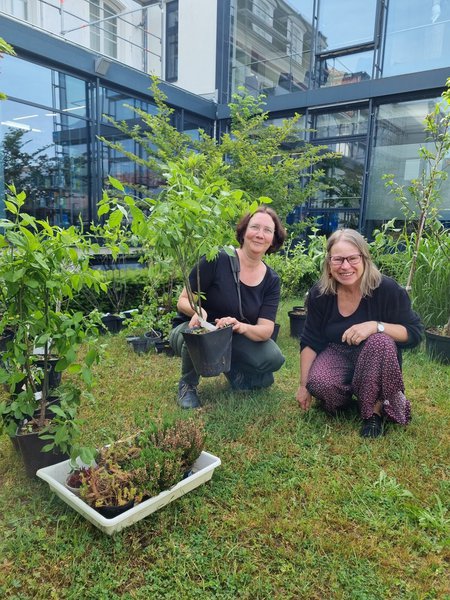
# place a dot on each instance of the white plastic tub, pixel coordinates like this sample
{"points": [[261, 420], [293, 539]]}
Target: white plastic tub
{"points": [[56, 476]]}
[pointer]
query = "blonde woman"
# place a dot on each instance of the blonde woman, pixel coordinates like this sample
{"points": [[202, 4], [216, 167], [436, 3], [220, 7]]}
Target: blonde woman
{"points": [[358, 322]]}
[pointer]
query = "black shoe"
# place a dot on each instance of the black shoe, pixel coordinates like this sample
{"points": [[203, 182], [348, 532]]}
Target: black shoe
{"points": [[187, 395], [373, 427]]}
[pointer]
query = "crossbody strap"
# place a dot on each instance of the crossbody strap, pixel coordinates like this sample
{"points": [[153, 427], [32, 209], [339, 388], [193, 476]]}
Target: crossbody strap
{"points": [[235, 269]]}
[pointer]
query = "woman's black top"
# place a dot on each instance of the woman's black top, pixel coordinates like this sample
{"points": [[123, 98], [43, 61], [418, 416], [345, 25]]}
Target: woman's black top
{"points": [[220, 299], [389, 303]]}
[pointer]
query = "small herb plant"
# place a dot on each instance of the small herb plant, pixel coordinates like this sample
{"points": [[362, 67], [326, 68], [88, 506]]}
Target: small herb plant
{"points": [[143, 465]]}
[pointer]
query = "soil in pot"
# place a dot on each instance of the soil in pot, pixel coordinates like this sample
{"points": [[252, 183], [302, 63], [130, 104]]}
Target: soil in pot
{"points": [[210, 351], [153, 336]]}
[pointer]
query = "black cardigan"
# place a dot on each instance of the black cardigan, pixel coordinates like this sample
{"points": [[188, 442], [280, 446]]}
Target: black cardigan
{"points": [[389, 303]]}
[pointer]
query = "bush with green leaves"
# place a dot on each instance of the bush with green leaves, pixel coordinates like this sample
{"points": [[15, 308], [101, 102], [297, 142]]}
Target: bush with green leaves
{"points": [[300, 265], [42, 267], [263, 158]]}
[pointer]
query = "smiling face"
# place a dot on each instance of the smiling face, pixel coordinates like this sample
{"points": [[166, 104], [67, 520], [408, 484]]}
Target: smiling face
{"points": [[346, 274], [259, 234]]}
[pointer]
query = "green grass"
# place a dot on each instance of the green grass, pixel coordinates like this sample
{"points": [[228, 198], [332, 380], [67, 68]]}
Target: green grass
{"points": [[301, 508]]}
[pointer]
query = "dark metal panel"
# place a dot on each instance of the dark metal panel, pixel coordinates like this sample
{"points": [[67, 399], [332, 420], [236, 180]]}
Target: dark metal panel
{"points": [[57, 53], [429, 83], [223, 50]]}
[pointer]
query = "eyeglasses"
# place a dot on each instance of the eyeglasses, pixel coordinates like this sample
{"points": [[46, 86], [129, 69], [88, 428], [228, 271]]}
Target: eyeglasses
{"points": [[352, 260], [258, 228]]}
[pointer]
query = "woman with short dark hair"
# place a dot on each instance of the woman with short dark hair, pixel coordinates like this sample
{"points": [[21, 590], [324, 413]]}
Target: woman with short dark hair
{"points": [[357, 323], [254, 356]]}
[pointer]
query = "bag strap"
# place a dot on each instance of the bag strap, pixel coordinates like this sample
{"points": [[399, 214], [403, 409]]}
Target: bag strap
{"points": [[235, 269]]}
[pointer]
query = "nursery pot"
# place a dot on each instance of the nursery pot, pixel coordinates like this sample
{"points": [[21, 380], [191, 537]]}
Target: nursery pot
{"points": [[113, 511], [210, 351], [30, 447], [54, 377], [297, 322], [140, 344], [113, 323], [163, 347], [153, 336], [438, 346], [276, 331]]}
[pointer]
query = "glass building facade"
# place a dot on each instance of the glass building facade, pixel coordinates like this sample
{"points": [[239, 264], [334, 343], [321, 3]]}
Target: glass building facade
{"points": [[362, 74]]}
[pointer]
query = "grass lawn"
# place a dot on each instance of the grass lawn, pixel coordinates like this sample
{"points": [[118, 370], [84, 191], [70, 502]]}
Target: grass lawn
{"points": [[301, 507]]}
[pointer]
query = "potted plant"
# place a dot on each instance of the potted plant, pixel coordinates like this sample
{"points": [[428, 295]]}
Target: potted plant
{"points": [[431, 238], [297, 318], [41, 268], [190, 219], [132, 477]]}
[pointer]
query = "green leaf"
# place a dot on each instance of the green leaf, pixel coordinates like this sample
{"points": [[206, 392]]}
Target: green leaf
{"points": [[103, 210], [116, 183], [115, 218]]}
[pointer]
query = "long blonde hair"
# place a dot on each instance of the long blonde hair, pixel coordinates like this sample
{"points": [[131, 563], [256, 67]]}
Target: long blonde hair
{"points": [[371, 277]]}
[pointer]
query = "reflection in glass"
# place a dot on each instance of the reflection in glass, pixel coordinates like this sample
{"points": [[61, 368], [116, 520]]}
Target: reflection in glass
{"points": [[45, 155], [343, 176], [345, 23], [417, 36], [399, 134], [342, 70], [350, 121], [271, 46], [27, 81]]}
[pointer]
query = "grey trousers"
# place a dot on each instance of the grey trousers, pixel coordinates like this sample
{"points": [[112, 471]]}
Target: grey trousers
{"points": [[257, 360]]}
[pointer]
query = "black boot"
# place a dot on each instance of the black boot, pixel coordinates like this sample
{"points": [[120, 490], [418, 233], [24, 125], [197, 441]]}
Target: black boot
{"points": [[187, 395]]}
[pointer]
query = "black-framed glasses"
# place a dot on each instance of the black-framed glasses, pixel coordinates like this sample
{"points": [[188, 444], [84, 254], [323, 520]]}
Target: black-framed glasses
{"points": [[353, 259]]}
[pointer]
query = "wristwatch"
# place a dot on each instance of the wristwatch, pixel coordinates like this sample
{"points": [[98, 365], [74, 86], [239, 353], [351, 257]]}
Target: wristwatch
{"points": [[380, 327]]}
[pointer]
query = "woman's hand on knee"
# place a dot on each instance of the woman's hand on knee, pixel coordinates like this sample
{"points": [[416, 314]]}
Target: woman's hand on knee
{"points": [[358, 333], [304, 398]]}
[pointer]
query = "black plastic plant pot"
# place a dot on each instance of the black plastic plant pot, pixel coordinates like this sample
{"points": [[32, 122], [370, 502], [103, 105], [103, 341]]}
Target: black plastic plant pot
{"points": [[297, 323], [438, 347], [153, 336], [109, 512], [210, 351], [113, 323], [30, 447], [163, 347], [54, 377], [140, 344], [276, 331]]}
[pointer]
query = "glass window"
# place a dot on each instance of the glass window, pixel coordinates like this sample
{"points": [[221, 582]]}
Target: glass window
{"points": [[349, 121], [417, 36], [103, 31], [399, 134], [172, 41], [272, 45], [46, 155], [116, 105], [345, 23], [27, 81], [342, 70]]}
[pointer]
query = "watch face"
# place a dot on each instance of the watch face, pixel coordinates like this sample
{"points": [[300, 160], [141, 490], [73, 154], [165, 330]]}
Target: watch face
{"points": [[380, 327]]}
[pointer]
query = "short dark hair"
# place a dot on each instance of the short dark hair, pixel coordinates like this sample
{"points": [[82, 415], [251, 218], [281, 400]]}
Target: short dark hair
{"points": [[279, 234]]}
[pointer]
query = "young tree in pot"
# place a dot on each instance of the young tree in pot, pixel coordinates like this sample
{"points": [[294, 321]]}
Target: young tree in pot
{"points": [[421, 201], [191, 219], [42, 267]]}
